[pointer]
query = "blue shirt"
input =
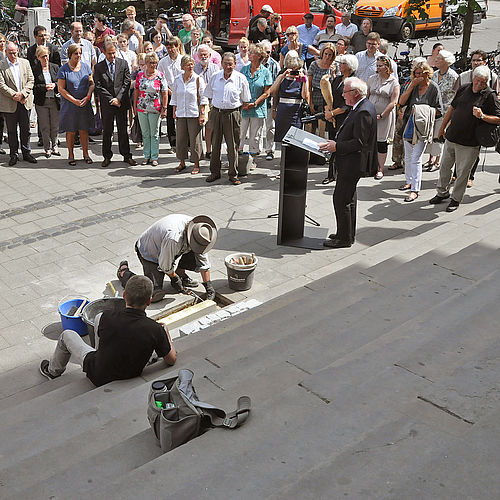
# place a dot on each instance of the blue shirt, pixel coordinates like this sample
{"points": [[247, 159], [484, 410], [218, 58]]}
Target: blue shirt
{"points": [[260, 79], [307, 35]]}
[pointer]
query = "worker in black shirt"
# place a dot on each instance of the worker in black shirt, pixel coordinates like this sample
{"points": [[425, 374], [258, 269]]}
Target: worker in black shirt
{"points": [[125, 341]]}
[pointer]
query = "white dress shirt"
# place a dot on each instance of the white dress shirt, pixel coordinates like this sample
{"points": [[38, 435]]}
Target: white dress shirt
{"points": [[185, 96], [170, 68], [230, 93], [16, 73], [88, 51], [343, 30]]}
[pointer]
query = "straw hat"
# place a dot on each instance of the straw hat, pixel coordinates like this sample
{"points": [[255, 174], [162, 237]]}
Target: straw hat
{"points": [[201, 234]]}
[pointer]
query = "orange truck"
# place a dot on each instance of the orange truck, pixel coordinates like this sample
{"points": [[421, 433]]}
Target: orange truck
{"points": [[228, 20], [389, 16]]}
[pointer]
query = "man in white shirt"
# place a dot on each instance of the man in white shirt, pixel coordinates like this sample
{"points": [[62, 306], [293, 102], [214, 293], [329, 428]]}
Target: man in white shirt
{"points": [[229, 91], [367, 59], [16, 101], [307, 34], [88, 51], [346, 28]]}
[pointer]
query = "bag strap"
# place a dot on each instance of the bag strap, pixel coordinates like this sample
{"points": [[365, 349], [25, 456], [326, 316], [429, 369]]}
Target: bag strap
{"points": [[219, 418], [198, 90]]}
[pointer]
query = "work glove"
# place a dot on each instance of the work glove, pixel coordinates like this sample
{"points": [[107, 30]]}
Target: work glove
{"points": [[210, 290], [177, 285]]}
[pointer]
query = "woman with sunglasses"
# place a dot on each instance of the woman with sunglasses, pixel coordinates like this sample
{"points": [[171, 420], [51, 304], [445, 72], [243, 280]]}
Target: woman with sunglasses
{"points": [[292, 34]]}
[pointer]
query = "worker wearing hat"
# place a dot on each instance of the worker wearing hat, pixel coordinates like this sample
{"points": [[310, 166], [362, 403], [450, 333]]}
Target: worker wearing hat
{"points": [[265, 12], [171, 246], [307, 34]]}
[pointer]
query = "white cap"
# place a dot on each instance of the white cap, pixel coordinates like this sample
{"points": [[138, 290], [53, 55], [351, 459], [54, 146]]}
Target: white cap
{"points": [[267, 8]]}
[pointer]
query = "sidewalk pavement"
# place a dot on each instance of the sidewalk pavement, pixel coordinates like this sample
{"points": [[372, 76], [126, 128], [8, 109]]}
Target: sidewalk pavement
{"points": [[64, 230]]}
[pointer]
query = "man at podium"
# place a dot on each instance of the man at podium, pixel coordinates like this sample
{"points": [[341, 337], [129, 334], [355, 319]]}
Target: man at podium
{"points": [[355, 146]]}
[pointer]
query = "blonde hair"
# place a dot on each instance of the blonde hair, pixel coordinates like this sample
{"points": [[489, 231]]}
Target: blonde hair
{"points": [[141, 58], [130, 10], [328, 46], [41, 50], [122, 35], [259, 50], [72, 49], [243, 39], [185, 60], [151, 57], [426, 69]]}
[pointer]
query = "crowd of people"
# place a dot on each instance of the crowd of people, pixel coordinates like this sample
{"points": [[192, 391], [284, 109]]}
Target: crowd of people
{"points": [[102, 80]]}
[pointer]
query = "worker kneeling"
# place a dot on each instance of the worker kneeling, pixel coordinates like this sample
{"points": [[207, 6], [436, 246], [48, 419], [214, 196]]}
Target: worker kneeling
{"points": [[125, 341], [175, 237]]}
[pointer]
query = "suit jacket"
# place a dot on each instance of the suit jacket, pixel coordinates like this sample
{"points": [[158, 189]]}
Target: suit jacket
{"points": [[8, 86], [107, 89], [357, 142], [54, 55], [39, 89]]}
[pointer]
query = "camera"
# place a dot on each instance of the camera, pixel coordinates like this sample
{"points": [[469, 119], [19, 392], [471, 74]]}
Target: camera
{"points": [[294, 72]]}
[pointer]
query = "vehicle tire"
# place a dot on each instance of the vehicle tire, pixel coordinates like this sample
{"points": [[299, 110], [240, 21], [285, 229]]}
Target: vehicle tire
{"points": [[458, 29], [406, 31]]}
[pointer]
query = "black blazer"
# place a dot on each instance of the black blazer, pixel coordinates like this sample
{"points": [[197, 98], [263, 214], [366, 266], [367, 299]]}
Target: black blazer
{"points": [[39, 89], [357, 142], [54, 55], [107, 89]]}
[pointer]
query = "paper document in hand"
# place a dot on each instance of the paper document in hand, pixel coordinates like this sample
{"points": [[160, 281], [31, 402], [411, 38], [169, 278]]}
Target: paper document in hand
{"points": [[308, 142]]}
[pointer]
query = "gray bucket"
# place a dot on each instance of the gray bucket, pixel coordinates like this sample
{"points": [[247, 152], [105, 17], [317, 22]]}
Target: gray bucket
{"points": [[240, 276], [95, 307]]}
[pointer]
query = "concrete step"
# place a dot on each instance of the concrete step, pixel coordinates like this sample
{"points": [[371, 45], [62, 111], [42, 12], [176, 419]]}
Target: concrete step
{"points": [[112, 446]]}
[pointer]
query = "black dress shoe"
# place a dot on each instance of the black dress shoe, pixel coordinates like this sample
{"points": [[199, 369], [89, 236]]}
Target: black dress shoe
{"points": [[2, 151], [438, 199], [131, 162], [30, 159], [12, 161], [105, 162], [336, 244], [212, 177], [452, 206]]}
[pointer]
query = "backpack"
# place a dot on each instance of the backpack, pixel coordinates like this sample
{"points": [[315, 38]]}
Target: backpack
{"points": [[176, 415]]}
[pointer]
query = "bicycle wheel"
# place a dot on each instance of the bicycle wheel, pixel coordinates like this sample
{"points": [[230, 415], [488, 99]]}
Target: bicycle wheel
{"points": [[444, 29], [458, 28]]}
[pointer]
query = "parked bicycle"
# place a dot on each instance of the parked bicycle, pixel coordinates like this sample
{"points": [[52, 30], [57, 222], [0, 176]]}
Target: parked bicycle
{"points": [[452, 25]]}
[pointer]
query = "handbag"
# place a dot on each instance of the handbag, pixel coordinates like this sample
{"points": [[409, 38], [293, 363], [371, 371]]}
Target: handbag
{"points": [[204, 115], [487, 134], [135, 131], [176, 415]]}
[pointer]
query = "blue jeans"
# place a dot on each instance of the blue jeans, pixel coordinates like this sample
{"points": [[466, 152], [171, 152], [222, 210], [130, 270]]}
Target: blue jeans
{"points": [[150, 128]]}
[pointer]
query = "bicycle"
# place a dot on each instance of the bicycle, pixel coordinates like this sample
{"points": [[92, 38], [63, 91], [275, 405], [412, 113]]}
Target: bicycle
{"points": [[453, 24]]}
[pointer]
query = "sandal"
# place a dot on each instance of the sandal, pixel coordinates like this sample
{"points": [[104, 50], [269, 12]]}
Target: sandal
{"points": [[72, 162], [121, 268], [379, 175], [395, 166], [404, 187], [427, 164], [196, 170], [88, 160], [180, 168], [411, 197]]}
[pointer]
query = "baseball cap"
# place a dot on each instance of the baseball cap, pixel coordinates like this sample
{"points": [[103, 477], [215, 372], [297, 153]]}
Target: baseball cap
{"points": [[267, 8]]}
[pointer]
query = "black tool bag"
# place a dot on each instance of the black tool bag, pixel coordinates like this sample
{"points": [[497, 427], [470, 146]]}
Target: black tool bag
{"points": [[176, 415]]}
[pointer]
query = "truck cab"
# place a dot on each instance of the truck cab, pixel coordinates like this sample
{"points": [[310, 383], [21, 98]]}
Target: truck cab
{"points": [[228, 19]]}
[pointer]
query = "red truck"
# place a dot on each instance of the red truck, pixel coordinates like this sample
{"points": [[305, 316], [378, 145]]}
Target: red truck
{"points": [[228, 20]]}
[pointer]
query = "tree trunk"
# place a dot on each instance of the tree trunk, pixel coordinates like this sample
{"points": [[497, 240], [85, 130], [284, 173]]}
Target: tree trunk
{"points": [[469, 18]]}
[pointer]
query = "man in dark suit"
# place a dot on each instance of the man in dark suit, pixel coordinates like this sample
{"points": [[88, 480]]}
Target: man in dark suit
{"points": [[356, 155], [112, 83], [40, 33]]}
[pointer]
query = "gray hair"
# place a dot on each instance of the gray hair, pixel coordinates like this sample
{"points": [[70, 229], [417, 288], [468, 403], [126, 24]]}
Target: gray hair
{"points": [[262, 21], [447, 56], [292, 60], [127, 24], [481, 72], [229, 54], [107, 44], [418, 60], [266, 44], [203, 46], [357, 84], [384, 46], [349, 59]]}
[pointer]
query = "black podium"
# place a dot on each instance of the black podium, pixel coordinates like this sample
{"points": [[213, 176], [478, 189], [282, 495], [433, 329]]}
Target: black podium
{"points": [[292, 202]]}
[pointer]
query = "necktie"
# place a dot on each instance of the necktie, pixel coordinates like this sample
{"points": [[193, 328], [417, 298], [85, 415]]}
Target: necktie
{"points": [[112, 70]]}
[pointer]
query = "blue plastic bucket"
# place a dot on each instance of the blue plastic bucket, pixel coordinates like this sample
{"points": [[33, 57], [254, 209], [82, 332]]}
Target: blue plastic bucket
{"points": [[74, 323]]}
